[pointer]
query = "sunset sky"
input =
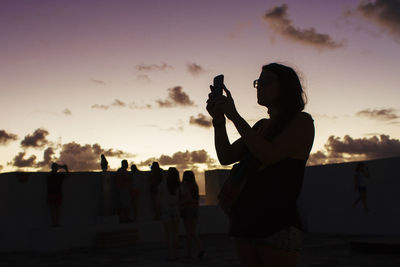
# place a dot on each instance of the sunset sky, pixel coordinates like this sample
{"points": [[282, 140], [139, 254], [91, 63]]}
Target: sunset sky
{"points": [[130, 78]]}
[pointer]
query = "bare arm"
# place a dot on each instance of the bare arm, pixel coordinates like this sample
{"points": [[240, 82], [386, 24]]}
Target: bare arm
{"points": [[227, 153], [295, 141]]}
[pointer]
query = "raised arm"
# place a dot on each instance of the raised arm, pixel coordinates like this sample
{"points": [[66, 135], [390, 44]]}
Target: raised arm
{"points": [[227, 153]]}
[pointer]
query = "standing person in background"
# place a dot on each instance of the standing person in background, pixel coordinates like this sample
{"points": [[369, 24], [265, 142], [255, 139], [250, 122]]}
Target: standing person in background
{"points": [[135, 192], [189, 202], [360, 184], [123, 182], [54, 191], [107, 207], [169, 195], [103, 163], [155, 180]]}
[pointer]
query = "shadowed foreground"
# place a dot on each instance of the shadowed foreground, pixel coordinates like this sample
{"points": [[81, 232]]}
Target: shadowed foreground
{"points": [[319, 250]]}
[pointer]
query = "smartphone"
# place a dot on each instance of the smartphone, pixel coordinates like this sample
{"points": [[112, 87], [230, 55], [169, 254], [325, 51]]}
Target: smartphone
{"points": [[218, 85]]}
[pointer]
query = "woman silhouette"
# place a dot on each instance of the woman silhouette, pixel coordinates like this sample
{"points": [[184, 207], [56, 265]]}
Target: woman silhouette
{"points": [[264, 221]]}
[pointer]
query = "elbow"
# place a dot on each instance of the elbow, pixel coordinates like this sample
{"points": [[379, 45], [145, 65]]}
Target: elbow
{"points": [[224, 161]]}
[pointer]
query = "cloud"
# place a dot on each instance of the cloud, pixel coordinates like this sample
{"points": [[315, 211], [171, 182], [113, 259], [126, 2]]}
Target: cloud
{"points": [[385, 114], [183, 160], [5, 137], [99, 82], [195, 69], [97, 106], [384, 13], [35, 140], [278, 21], [67, 112], [120, 104], [87, 157], [47, 158], [20, 161], [352, 149], [143, 78], [117, 103], [176, 97], [201, 120], [154, 67]]}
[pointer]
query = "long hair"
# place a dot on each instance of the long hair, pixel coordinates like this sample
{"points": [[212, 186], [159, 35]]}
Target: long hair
{"points": [[172, 180], [188, 177], [291, 100]]}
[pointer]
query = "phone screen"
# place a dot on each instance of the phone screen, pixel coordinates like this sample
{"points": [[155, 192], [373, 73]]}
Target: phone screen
{"points": [[218, 85]]}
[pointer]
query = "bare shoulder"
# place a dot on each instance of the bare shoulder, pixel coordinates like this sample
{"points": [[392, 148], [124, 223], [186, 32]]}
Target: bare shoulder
{"points": [[303, 122]]}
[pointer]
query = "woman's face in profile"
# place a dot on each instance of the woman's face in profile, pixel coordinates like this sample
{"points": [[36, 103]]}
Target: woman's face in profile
{"points": [[268, 89]]}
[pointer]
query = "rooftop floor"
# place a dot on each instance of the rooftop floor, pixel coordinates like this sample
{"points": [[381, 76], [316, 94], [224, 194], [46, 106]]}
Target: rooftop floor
{"points": [[318, 250]]}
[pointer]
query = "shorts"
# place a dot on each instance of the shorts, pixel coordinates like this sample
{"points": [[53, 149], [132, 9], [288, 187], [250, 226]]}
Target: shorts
{"points": [[170, 214], [189, 213], [54, 199], [289, 239], [362, 189]]}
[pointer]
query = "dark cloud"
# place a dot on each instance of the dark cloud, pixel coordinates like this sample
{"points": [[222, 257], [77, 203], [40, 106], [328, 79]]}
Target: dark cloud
{"points": [[352, 149], [278, 20], [99, 82], [385, 13], [20, 162], [183, 160], [5, 137], [87, 157], [201, 120], [379, 114], [67, 112], [195, 69], [35, 140], [154, 67], [47, 158], [176, 97]]}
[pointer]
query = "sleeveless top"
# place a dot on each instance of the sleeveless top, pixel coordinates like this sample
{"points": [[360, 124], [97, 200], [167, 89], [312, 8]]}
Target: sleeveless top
{"points": [[268, 201]]}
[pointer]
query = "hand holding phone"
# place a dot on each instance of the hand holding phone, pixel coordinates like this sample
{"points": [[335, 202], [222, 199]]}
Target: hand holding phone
{"points": [[218, 85]]}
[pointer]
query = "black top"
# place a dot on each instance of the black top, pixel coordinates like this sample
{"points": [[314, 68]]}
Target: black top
{"points": [[267, 203], [54, 183]]}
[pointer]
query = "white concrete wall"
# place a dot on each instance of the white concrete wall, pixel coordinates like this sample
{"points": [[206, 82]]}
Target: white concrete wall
{"points": [[325, 203], [25, 223]]}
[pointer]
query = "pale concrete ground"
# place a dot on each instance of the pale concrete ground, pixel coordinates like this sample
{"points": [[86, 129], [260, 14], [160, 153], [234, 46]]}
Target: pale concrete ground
{"points": [[319, 250]]}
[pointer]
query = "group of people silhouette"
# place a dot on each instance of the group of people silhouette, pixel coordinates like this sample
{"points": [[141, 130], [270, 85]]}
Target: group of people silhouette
{"points": [[171, 200]]}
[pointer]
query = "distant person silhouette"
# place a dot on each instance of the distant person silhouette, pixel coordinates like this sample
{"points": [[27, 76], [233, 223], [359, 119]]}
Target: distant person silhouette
{"points": [[123, 182], [54, 191], [189, 202], [272, 155], [103, 163], [107, 207], [155, 180], [169, 195], [360, 184], [135, 192]]}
